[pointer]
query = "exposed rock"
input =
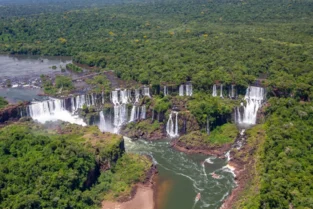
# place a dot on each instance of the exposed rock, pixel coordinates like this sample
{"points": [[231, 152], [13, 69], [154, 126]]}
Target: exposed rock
{"points": [[12, 112]]}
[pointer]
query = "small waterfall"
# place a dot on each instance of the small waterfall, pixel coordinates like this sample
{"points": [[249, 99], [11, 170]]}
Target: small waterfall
{"points": [[165, 91], [238, 116], [232, 91], [214, 93], [114, 97], [181, 90], [208, 126], [189, 89], [133, 114], [124, 96], [221, 91], [102, 97], [120, 115], [254, 99], [146, 92], [137, 95], [143, 112], [171, 128]]}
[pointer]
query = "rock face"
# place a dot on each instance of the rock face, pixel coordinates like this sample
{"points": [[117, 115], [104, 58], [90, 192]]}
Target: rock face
{"points": [[12, 112], [187, 122], [198, 146]]}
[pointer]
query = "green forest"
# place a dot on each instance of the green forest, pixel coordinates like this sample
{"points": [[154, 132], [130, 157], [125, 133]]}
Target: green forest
{"points": [[46, 169], [240, 42]]}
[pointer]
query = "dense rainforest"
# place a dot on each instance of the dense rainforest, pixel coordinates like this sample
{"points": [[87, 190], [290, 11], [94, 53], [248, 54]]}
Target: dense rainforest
{"points": [[268, 43], [46, 169], [172, 42]]}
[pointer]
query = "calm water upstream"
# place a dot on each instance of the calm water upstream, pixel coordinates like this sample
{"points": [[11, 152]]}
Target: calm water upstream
{"points": [[182, 176], [22, 65]]}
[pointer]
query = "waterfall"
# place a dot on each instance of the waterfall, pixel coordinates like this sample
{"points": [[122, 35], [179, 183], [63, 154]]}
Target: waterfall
{"points": [[120, 115], [102, 97], [146, 91], [143, 112], [208, 126], [165, 91], [232, 91], [221, 91], [254, 98], [171, 129], [124, 96], [214, 94], [238, 116], [133, 114], [114, 97], [189, 89], [137, 95], [181, 90], [52, 110]]}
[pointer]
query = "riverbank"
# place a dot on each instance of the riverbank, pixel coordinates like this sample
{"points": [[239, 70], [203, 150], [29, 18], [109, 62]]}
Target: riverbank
{"points": [[245, 165], [143, 195]]}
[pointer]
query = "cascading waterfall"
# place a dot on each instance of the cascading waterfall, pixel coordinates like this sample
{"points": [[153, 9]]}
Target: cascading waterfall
{"points": [[143, 112], [133, 114], [124, 96], [165, 91], [208, 126], [171, 128], [232, 91], [214, 93], [114, 97], [52, 110], [189, 89], [254, 98], [146, 91], [221, 91], [181, 90], [137, 95], [120, 115]]}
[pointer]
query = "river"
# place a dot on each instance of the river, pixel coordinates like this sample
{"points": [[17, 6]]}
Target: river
{"points": [[181, 176]]}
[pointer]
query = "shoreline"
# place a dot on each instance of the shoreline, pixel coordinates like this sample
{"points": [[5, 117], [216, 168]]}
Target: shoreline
{"points": [[143, 195], [217, 151]]}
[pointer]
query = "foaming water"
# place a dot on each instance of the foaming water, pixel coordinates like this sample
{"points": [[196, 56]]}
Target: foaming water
{"points": [[189, 175]]}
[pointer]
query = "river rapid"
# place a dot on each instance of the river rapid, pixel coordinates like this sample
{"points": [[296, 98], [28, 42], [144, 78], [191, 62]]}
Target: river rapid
{"points": [[181, 176]]}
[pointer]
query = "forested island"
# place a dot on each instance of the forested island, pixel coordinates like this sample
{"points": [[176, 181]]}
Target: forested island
{"points": [[228, 79]]}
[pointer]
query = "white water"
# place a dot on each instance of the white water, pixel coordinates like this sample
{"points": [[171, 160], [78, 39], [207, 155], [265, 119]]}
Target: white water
{"points": [[181, 90], [214, 93], [53, 110], [137, 95], [189, 89], [114, 97], [143, 112], [221, 91], [165, 91], [133, 114], [232, 91], [171, 127], [254, 99], [146, 91]]}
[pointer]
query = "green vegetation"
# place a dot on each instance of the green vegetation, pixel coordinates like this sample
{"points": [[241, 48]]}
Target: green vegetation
{"points": [[74, 68], [93, 59], [3, 102], [224, 134], [99, 84], [171, 41], [204, 107], [62, 84], [250, 197], [42, 169]]}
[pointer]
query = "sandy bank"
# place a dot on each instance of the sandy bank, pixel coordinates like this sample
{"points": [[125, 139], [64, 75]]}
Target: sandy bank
{"points": [[143, 199]]}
